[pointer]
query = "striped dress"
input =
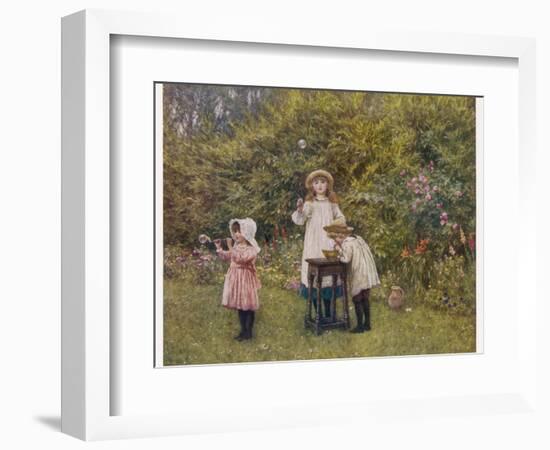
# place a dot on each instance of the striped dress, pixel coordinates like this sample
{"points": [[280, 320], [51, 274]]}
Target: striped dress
{"points": [[240, 289]]}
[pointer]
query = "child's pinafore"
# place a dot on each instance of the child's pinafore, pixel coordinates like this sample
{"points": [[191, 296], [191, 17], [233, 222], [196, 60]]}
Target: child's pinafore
{"points": [[240, 289]]}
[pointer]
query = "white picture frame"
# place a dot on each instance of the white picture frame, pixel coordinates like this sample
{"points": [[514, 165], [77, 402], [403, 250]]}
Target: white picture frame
{"points": [[87, 355]]}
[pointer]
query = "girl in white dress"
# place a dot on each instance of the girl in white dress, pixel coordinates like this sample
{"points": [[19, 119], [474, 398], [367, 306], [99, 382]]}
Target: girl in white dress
{"points": [[318, 211], [362, 273]]}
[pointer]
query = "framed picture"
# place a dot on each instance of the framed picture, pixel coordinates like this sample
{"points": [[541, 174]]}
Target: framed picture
{"points": [[196, 167]]}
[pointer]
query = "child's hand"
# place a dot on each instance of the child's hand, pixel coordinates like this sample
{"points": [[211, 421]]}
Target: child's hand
{"points": [[300, 205], [229, 243]]}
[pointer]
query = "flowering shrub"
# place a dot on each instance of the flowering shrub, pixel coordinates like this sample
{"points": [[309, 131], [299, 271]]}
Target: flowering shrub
{"points": [[439, 207], [198, 266], [279, 264], [452, 285], [415, 268]]}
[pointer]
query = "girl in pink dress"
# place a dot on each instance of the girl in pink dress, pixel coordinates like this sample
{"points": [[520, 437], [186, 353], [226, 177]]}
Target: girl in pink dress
{"points": [[240, 289]]}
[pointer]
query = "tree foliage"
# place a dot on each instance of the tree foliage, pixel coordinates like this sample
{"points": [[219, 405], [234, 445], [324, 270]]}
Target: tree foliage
{"points": [[242, 159]]}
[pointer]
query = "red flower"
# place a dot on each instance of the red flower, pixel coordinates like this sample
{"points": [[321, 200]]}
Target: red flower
{"points": [[422, 246], [472, 243], [283, 233]]}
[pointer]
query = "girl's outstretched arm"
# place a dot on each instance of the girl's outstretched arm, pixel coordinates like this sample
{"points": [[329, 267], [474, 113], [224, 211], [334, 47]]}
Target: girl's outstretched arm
{"points": [[223, 254], [300, 216]]}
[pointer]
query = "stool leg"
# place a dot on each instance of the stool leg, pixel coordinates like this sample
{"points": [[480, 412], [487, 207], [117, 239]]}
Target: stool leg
{"points": [[319, 306], [345, 289], [333, 300], [307, 318]]}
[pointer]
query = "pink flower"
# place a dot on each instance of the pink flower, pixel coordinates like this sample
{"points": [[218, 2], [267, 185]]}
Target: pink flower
{"points": [[428, 197], [444, 216], [426, 188], [455, 226], [435, 189], [402, 173], [414, 180], [439, 205], [293, 285]]}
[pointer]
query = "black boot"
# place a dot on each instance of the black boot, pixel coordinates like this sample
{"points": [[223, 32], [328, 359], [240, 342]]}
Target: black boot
{"points": [[242, 321], [366, 310], [249, 324], [359, 314]]}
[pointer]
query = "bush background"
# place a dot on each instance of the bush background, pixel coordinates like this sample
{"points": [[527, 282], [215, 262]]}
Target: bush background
{"points": [[404, 170]]}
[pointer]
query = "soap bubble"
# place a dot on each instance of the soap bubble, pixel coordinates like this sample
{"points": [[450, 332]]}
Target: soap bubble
{"points": [[203, 239]]}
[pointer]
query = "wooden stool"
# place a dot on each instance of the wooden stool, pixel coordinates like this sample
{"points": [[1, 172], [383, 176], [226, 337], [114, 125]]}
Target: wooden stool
{"points": [[319, 268]]}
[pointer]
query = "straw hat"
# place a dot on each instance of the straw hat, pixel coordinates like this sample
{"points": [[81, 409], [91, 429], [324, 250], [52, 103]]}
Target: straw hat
{"points": [[338, 226], [320, 173]]}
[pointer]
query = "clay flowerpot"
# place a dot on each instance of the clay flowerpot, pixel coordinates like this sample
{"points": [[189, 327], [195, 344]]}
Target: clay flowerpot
{"points": [[396, 298]]}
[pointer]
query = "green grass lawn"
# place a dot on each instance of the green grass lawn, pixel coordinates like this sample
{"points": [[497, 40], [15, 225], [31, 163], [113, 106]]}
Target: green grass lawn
{"points": [[198, 330]]}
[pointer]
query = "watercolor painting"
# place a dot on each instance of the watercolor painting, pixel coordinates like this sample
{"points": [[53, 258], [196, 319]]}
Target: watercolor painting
{"points": [[302, 224]]}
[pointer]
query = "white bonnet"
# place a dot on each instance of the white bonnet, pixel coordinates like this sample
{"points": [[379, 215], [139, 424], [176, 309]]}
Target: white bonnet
{"points": [[248, 230]]}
